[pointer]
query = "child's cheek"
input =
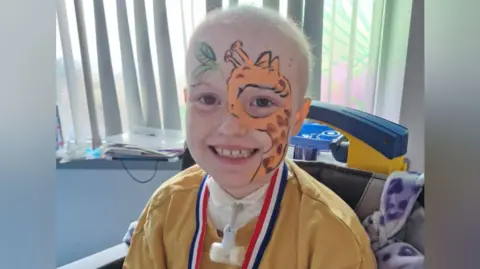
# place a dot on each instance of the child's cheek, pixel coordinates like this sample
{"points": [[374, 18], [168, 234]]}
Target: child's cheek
{"points": [[198, 118], [264, 139]]}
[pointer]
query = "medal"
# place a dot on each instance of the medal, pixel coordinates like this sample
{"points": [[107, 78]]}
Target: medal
{"points": [[263, 229]]}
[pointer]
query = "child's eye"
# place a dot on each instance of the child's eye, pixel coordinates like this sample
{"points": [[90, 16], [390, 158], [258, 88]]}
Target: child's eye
{"points": [[262, 102], [208, 100], [262, 107]]}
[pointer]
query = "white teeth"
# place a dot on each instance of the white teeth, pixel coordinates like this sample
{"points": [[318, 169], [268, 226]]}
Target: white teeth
{"points": [[243, 153]]}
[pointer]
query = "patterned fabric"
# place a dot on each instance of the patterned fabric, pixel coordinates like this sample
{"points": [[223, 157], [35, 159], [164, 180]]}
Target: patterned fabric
{"points": [[128, 236], [386, 227]]}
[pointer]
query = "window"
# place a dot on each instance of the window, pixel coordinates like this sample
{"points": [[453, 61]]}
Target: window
{"points": [[351, 47], [131, 91]]}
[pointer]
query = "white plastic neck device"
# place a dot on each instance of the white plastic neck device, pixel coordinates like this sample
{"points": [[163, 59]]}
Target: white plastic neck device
{"points": [[227, 251]]}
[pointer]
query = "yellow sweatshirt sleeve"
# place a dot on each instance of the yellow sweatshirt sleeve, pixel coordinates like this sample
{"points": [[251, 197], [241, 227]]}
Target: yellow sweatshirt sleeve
{"points": [[146, 249], [338, 241]]}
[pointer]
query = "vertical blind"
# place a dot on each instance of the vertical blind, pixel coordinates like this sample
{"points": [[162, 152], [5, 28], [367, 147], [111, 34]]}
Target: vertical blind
{"points": [[120, 63]]}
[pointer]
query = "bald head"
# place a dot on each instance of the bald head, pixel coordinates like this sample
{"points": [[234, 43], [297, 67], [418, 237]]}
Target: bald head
{"points": [[260, 31]]}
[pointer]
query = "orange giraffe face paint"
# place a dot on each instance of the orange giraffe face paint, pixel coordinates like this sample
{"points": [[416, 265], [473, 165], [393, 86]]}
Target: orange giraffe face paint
{"points": [[259, 76]]}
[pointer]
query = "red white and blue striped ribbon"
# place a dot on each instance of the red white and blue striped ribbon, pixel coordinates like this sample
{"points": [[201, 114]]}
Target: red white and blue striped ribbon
{"points": [[263, 229]]}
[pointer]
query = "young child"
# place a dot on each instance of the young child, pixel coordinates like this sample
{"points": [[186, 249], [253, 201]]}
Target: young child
{"points": [[244, 205]]}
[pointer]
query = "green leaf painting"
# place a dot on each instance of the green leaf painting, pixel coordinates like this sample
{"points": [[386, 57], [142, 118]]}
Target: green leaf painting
{"points": [[205, 53], [207, 59]]}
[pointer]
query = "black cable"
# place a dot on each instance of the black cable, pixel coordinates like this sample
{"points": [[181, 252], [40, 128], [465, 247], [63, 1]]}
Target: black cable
{"points": [[135, 179]]}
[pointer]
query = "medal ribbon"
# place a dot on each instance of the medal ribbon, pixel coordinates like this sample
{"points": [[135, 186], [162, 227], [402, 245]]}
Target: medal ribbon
{"points": [[263, 229]]}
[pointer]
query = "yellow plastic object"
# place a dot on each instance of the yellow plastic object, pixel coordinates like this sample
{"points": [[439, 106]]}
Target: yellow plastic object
{"points": [[363, 157], [375, 144]]}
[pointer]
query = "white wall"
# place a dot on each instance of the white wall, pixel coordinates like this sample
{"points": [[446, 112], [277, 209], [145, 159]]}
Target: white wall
{"points": [[95, 206]]}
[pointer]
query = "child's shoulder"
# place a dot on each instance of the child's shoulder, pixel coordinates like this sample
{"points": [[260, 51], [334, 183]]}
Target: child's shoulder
{"points": [[188, 180], [324, 203]]}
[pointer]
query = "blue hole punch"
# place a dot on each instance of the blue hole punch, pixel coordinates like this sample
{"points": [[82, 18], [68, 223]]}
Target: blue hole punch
{"points": [[312, 139]]}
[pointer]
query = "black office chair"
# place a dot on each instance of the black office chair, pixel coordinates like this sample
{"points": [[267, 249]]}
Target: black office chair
{"points": [[359, 189]]}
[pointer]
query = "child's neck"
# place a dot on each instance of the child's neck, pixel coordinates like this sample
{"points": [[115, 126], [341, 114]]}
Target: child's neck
{"points": [[244, 191]]}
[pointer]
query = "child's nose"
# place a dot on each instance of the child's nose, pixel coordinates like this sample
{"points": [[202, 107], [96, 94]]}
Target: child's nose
{"points": [[232, 126]]}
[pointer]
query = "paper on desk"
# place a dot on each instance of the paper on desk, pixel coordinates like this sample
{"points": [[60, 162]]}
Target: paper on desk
{"points": [[149, 138], [142, 143]]}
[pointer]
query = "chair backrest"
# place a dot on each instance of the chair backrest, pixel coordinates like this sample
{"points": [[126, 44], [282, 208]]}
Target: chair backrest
{"points": [[359, 189]]}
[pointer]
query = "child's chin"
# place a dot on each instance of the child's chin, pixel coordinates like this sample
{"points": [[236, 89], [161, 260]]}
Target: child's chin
{"points": [[234, 178], [234, 182], [237, 187]]}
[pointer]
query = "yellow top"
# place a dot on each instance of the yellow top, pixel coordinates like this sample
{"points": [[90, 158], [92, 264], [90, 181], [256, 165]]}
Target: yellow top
{"points": [[314, 229]]}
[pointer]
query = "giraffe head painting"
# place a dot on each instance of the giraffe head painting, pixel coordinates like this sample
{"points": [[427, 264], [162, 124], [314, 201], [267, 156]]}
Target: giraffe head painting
{"points": [[260, 75], [245, 98]]}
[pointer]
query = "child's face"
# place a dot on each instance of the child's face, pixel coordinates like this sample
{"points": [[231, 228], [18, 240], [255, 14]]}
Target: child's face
{"points": [[243, 103]]}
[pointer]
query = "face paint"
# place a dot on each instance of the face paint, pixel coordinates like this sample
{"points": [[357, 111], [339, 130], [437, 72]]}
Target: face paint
{"points": [[207, 59], [257, 77]]}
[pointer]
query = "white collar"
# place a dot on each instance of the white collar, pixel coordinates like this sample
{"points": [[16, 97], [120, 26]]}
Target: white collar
{"points": [[219, 197]]}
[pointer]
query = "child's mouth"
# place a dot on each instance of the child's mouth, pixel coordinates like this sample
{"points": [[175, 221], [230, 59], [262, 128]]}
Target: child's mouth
{"points": [[233, 153]]}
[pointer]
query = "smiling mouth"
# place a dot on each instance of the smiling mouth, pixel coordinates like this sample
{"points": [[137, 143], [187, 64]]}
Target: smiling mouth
{"points": [[233, 153]]}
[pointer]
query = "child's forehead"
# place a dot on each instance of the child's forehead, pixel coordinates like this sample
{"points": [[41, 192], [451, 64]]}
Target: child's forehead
{"points": [[255, 41]]}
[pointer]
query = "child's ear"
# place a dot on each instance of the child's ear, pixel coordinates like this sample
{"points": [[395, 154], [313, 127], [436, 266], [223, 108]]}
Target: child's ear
{"points": [[300, 116], [185, 95]]}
